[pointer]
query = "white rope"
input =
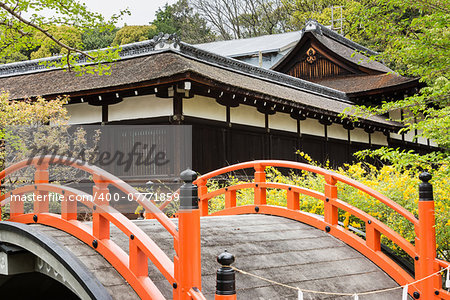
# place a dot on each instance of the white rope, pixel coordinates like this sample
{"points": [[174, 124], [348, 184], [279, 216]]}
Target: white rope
{"points": [[354, 295], [405, 293], [447, 281], [300, 294]]}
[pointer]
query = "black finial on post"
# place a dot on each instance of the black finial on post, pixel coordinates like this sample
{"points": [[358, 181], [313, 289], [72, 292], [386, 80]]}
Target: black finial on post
{"points": [[188, 191], [226, 281], [425, 188]]}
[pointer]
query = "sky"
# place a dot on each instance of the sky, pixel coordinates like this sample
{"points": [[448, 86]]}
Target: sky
{"points": [[142, 11]]}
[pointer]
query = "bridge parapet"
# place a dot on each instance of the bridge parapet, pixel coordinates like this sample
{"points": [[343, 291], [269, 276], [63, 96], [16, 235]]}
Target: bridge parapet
{"points": [[423, 284], [183, 271]]}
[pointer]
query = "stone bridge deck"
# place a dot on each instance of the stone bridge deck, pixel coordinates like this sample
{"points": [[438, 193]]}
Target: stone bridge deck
{"points": [[273, 247]]}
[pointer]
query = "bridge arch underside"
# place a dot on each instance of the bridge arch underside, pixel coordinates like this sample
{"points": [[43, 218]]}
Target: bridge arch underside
{"points": [[276, 248]]}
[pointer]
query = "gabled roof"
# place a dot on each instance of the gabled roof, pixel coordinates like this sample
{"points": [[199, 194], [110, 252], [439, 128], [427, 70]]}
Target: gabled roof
{"points": [[251, 46], [345, 49]]}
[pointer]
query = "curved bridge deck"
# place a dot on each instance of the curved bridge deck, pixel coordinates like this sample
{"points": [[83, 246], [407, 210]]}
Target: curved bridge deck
{"points": [[276, 248]]}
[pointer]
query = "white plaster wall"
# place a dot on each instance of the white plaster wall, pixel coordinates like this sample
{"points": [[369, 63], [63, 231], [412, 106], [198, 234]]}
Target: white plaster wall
{"points": [[337, 131], [83, 113], [422, 140], [395, 115], [147, 106], [378, 138], [204, 107], [359, 135], [247, 115], [282, 121], [409, 136], [312, 126]]}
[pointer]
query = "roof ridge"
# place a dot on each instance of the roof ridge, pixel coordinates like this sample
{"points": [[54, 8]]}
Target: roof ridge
{"points": [[314, 26], [159, 42]]}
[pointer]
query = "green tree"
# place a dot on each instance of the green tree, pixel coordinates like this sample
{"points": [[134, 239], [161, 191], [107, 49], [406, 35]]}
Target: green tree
{"points": [[132, 34], [181, 19], [415, 39], [13, 57], [98, 39], [24, 129], [232, 19], [68, 35], [21, 20]]}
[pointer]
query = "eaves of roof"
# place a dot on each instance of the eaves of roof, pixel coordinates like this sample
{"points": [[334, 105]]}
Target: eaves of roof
{"points": [[139, 49]]}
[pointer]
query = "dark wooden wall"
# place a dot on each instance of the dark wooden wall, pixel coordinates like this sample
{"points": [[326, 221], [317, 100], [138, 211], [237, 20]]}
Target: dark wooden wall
{"points": [[320, 68], [216, 146]]}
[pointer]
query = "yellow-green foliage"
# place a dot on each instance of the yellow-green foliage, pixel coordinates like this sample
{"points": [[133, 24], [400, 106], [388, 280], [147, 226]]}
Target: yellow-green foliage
{"points": [[132, 34], [400, 186]]}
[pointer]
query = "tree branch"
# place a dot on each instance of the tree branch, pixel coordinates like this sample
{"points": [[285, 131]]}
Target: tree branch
{"points": [[23, 20]]}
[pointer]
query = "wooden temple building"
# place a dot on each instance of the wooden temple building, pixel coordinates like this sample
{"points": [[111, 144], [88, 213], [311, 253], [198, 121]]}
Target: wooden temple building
{"points": [[256, 98]]}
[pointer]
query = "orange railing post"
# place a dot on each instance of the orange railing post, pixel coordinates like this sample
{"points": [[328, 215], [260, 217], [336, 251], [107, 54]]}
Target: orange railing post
{"points": [[189, 259], [293, 201], [330, 210], [230, 198], [41, 203], [68, 208], [100, 224], [260, 177], [226, 278], [427, 240], [203, 190]]}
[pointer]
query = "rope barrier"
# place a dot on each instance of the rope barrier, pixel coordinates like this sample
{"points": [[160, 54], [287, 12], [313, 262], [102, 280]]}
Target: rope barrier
{"points": [[354, 295]]}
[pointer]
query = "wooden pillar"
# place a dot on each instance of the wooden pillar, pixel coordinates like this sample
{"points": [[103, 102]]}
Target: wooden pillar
{"points": [[100, 224], [41, 202], [177, 108]]}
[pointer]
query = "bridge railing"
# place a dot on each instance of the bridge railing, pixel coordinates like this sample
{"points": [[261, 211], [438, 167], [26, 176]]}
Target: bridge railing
{"points": [[183, 273], [423, 251]]}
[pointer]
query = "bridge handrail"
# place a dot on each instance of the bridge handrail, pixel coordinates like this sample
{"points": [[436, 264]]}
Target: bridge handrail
{"points": [[105, 177], [156, 255], [423, 250], [326, 173], [184, 271]]}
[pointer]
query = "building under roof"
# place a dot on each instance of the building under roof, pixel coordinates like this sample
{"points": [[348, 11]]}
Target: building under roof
{"points": [[319, 54], [238, 110]]}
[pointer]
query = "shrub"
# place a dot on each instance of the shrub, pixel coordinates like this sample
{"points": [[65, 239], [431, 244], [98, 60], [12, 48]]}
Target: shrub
{"points": [[398, 184]]}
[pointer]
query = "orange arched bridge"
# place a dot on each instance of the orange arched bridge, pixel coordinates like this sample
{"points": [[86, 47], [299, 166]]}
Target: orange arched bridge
{"points": [[277, 248]]}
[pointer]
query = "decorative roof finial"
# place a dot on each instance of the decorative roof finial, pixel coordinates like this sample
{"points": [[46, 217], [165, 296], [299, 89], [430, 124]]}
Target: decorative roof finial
{"points": [[166, 41], [312, 25]]}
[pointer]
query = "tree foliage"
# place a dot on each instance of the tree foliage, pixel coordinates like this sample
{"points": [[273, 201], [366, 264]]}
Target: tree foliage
{"points": [[181, 19], [27, 126], [97, 38], [68, 35], [302, 10], [233, 19], [23, 26], [414, 37], [132, 34]]}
